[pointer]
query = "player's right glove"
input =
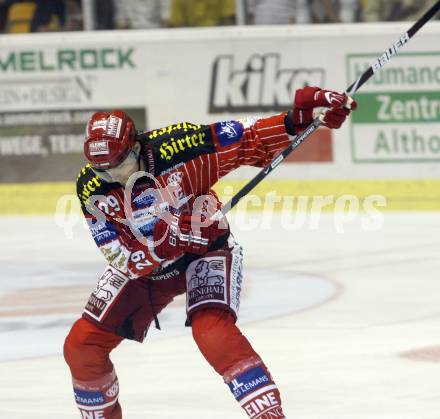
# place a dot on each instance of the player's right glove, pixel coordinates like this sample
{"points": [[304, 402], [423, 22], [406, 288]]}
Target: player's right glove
{"points": [[185, 234], [332, 108]]}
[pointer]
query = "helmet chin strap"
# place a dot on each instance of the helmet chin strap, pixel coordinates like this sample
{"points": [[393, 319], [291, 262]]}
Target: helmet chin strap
{"points": [[141, 166]]}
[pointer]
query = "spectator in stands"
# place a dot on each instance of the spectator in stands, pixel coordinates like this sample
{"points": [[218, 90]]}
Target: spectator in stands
{"points": [[43, 16], [202, 13], [141, 14], [73, 14], [271, 12], [104, 14], [49, 16], [391, 10], [303, 11], [19, 16], [333, 11], [4, 6]]}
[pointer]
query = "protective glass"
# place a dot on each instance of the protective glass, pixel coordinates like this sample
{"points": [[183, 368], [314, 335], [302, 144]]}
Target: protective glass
{"points": [[122, 172]]}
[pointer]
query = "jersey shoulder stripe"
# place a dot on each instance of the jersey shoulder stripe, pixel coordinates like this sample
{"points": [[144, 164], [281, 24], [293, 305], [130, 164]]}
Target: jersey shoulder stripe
{"points": [[88, 184], [177, 144]]}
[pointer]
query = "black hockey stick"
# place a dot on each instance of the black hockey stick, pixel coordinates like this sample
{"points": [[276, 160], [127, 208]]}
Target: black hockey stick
{"points": [[375, 67]]}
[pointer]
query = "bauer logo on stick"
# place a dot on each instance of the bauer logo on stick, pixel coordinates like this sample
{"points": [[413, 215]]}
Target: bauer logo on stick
{"points": [[390, 52]]}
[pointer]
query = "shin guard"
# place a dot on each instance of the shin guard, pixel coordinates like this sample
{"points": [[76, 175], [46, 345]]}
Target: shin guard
{"points": [[252, 386], [98, 399]]}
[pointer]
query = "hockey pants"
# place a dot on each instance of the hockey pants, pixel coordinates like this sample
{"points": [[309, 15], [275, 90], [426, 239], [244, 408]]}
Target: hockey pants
{"points": [[87, 349]]}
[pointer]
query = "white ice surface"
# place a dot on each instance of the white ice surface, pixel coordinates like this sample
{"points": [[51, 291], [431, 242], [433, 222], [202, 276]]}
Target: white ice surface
{"points": [[369, 298]]}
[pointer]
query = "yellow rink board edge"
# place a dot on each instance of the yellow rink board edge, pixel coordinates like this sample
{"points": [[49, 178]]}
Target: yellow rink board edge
{"points": [[400, 195]]}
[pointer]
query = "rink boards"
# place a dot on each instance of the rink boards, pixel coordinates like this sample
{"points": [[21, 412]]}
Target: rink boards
{"points": [[391, 146], [273, 195]]}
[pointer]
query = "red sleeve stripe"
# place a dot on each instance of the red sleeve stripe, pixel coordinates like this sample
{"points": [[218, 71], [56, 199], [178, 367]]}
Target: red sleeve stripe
{"points": [[229, 151], [283, 135], [283, 127], [196, 177], [217, 166], [189, 178]]}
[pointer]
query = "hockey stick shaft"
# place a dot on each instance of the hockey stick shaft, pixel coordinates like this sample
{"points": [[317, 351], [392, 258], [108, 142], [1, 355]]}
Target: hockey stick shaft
{"points": [[374, 68]]}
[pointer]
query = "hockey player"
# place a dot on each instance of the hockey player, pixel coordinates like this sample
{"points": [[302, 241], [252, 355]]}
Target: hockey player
{"points": [[147, 198]]}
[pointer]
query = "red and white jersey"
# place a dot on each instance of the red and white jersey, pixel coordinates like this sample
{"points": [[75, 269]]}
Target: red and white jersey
{"points": [[186, 159]]}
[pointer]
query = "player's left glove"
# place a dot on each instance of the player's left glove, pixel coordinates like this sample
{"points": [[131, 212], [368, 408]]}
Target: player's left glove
{"points": [[332, 108]]}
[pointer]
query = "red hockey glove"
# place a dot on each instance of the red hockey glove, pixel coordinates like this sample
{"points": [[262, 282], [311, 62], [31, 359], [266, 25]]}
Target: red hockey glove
{"points": [[186, 234], [309, 102]]}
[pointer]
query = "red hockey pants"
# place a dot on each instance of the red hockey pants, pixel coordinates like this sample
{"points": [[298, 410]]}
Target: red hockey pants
{"points": [[87, 349]]}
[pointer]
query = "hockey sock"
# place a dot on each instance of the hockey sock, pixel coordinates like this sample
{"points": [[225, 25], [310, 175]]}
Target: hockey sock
{"points": [[252, 386], [98, 399], [232, 356], [96, 389]]}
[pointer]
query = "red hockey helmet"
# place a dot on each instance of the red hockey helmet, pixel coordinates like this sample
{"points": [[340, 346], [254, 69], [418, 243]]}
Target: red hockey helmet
{"points": [[110, 136]]}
